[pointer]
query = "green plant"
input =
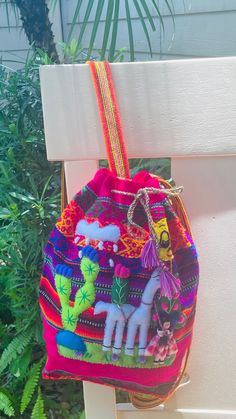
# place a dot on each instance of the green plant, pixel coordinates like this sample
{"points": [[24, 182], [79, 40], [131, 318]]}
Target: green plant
{"points": [[38, 410], [38, 28], [29, 206], [30, 386], [6, 405]]}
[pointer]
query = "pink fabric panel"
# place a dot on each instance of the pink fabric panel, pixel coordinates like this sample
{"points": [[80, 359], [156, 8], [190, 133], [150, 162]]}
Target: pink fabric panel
{"points": [[144, 376]]}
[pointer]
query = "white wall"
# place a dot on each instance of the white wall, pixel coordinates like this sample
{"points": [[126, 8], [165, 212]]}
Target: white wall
{"points": [[203, 28], [14, 45], [13, 42]]}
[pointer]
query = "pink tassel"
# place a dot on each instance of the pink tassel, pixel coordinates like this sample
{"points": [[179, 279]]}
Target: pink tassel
{"points": [[149, 257], [170, 285]]}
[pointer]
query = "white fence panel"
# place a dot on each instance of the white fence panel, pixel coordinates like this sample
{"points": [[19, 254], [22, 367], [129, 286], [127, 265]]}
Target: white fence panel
{"points": [[186, 110]]}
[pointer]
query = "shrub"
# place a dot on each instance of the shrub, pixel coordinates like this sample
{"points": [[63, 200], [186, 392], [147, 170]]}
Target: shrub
{"points": [[29, 205]]}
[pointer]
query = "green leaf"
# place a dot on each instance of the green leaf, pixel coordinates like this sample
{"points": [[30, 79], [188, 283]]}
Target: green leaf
{"points": [[20, 365], [114, 31], [15, 348], [6, 404], [30, 386], [74, 20], [139, 11], [85, 20], [38, 410], [148, 14], [130, 31], [169, 7], [82, 416], [21, 197], [158, 13], [5, 213], [110, 9], [45, 188], [96, 22]]}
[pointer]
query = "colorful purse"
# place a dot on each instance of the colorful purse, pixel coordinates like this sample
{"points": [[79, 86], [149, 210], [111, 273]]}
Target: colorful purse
{"points": [[119, 281]]}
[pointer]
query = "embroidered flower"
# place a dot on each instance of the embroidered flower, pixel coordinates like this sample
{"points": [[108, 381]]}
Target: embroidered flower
{"points": [[121, 271]]}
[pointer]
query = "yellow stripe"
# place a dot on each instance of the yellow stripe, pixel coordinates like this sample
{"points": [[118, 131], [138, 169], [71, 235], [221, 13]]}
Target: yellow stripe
{"points": [[120, 160], [106, 114], [108, 106], [114, 139]]}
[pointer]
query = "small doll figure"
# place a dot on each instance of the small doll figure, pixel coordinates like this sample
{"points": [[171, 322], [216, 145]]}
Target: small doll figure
{"points": [[163, 345]]}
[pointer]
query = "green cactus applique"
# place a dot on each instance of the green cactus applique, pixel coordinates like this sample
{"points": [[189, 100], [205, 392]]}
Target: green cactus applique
{"points": [[85, 296]]}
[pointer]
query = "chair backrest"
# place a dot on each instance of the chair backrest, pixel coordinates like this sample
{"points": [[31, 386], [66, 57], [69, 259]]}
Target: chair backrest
{"points": [[185, 110]]}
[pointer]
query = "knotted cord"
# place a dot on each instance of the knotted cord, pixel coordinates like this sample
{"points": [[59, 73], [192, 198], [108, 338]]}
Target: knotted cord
{"points": [[142, 196]]}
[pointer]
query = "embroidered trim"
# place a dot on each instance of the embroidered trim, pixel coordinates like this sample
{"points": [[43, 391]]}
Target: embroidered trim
{"points": [[109, 113]]}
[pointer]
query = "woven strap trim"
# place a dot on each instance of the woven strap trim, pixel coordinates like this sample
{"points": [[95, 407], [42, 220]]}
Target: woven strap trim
{"points": [[110, 118]]}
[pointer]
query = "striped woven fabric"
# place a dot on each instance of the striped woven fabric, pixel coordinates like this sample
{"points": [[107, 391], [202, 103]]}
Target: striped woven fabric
{"points": [[95, 203], [111, 123]]}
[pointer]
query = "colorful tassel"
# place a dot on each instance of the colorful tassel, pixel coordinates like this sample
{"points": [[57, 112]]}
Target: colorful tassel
{"points": [[149, 256], [170, 285]]}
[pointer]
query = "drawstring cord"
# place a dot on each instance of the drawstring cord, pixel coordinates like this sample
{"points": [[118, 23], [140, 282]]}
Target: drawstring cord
{"points": [[142, 196]]}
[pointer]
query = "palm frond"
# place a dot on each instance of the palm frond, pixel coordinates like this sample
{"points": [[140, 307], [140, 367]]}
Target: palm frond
{"points": [[85, 20], [143, 23], [30, 385], [74, 20], [112, 22], [130, 31], [144, 10], [96, 22], [148, 14], [106, 34], [114, 31]]}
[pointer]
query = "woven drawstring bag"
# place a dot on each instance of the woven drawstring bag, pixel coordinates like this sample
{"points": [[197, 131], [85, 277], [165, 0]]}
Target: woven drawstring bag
{"points": [[119, 281]]}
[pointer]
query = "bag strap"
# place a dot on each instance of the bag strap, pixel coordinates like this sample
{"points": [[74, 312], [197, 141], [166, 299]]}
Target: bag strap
{"points": [[110, 118]]}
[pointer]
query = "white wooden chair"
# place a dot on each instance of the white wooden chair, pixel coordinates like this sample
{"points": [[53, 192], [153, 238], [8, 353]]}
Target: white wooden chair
{"points": [[185, 110]]}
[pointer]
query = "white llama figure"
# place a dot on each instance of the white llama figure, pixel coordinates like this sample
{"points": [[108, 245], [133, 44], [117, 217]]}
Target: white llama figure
{"points": [[141, 317], [117, 317]]}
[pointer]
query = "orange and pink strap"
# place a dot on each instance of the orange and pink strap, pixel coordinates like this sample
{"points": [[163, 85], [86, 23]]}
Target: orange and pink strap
{"points": [[110, 118]]}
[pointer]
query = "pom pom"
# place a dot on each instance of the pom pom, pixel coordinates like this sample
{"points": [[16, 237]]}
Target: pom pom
{"points": [[149, 256], [100, 246], [115, 248], [91, 253], [111, 263], [155, 317], [170, 285], [121, 271]]}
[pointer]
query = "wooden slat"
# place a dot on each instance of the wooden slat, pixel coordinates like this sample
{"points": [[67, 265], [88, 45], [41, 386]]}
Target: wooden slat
{"points": [[128, 412], [175, 108], [210, 200], [99, 401], [78, 174]]}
